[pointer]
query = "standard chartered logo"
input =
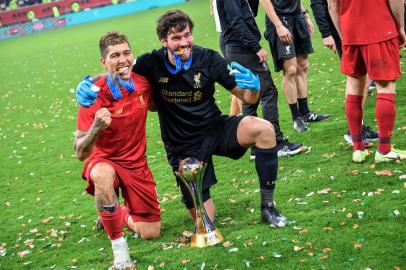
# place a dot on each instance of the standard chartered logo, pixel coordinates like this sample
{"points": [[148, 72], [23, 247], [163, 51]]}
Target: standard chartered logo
{"points": [[178, 96]]}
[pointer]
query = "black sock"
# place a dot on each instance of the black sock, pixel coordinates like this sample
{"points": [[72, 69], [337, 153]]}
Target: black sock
{"points": [[266, 197], [294, 110], [266, 164], [303, 106]]}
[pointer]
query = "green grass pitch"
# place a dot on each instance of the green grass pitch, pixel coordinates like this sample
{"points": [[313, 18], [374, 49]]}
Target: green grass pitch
{"points": [[47, 222]]}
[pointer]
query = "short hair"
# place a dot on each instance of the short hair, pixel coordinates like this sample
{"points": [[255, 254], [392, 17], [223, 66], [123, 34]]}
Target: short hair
{"points": [[172, 19], [111, 38]]}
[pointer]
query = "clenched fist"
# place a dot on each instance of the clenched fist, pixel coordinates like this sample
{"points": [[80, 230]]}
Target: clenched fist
{"points": [[102, 119]]}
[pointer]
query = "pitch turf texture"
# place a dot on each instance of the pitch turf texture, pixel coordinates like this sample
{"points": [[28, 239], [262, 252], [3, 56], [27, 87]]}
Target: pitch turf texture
{"points": [[47, 221]]}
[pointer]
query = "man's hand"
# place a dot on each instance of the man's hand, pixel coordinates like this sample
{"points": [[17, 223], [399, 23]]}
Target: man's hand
{"points": [[86, 92], [262, 55], [245, 78], [402, 38], [310, 26], [102, 119], [330, 43], [284, 35]]}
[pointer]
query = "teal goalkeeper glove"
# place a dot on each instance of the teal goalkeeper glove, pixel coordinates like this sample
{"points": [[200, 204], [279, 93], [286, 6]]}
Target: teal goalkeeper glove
{"points": [[245, 78]]}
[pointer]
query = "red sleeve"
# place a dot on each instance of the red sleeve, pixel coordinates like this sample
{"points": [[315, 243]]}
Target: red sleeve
{"points": [[86, 115]]}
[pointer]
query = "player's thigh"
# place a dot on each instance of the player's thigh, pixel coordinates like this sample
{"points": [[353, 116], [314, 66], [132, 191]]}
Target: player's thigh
{"points": [[382, 60], [255, 131], [227, 141], [352, 61], [140, 197]]}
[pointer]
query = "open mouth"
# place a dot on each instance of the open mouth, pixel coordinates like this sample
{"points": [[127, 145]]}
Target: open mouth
{"points": [[123, 70], [181, 51]]}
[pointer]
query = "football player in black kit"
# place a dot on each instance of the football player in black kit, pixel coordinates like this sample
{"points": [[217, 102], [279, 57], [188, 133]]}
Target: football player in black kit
{"points": [[182, 76]]}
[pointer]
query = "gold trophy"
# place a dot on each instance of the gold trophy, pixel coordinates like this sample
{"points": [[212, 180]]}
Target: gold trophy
{"points": [[191, 171]]}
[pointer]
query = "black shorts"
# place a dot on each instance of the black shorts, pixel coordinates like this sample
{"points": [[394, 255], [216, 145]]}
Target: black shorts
{"points": [[301, 45], [221, 140]]}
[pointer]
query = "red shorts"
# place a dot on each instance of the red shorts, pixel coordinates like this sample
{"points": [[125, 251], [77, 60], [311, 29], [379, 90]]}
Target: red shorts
{"points": [[379, 60], [137, 187]]}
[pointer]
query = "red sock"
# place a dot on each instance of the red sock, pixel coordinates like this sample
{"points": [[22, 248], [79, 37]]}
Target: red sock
{"points": [[353, 110], [385, 115], [125, 214], [112, 223]]}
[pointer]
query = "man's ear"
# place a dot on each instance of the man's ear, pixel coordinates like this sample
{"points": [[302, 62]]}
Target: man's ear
{"points": [[164, 43], [103, 62]]}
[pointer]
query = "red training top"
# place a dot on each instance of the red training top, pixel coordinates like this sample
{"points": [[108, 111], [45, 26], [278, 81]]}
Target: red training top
{"points": [[124, 141], [366, 22]]}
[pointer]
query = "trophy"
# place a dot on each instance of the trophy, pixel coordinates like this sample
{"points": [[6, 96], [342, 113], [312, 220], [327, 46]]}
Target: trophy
{"points": [[191, 172]]}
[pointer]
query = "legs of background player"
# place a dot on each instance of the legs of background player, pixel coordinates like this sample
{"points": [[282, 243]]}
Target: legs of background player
{"points": [[289, 86], [109, 210], [385, 115], [210, 210], [302, 91], [235, 106], [301, 82], [259, 132], [353, 108]]}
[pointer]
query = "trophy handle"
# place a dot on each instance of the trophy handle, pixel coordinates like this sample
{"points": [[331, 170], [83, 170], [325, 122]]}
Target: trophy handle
{"points": [[189, 189]]}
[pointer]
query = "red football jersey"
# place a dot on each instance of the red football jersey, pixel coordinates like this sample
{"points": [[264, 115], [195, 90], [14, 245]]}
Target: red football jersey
{"points": [[124, 141], [366, 22]]}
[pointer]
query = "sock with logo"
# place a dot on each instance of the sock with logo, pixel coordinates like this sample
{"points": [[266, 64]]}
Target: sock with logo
{"points": [[385, 115], [353, 110], [266, 164]]}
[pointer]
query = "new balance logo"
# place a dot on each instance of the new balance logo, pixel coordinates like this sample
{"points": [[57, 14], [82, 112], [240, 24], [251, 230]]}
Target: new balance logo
{"points": [[313, 117]]}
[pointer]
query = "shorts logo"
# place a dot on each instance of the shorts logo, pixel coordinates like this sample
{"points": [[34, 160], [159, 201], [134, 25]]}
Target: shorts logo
{"points": [[197, 96], [163, 80], [287, 49], [196, 78]]}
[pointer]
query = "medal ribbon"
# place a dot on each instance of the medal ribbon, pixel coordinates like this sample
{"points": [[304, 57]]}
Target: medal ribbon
{"points": [[115, 89], [178, 63]]}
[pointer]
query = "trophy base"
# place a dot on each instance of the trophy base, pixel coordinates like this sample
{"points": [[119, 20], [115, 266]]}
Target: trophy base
{"points": [[206, 239]]}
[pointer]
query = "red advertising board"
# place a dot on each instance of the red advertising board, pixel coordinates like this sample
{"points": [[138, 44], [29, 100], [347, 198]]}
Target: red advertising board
{"points": [[40, 11]]}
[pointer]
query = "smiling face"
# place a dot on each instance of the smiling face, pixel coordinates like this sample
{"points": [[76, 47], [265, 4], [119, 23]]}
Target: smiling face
{"points": [[116, 55], [118, 59], [179, 42]]}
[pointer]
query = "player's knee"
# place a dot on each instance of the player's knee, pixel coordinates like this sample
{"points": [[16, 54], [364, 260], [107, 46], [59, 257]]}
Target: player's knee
{"points": [[303, 66], [102, 174], [290, 70], [267, 129]]}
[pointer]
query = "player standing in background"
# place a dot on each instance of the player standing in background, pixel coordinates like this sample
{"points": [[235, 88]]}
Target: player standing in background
{"points": [[332, 40], [288, 30], [242, 37], [376, 53]]}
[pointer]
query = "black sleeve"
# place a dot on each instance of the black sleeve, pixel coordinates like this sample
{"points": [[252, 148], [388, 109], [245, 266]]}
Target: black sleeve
{"points": [[234, 15], [322, 17], [142, 65], [219, 72]]}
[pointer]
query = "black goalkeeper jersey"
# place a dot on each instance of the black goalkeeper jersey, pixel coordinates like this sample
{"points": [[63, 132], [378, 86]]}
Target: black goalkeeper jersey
{"points": [[185, 101]]}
